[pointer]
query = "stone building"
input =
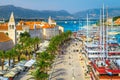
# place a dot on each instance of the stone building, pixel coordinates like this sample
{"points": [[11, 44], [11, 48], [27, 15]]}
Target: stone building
{"points": [[42, 30]]}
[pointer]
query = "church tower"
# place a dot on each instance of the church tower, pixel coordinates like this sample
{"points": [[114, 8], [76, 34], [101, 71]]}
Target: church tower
{"points": [[49, 20], [12, 28]]}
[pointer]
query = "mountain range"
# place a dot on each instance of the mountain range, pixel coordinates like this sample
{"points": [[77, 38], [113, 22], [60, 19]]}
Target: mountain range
{"points": [[44, 14]]}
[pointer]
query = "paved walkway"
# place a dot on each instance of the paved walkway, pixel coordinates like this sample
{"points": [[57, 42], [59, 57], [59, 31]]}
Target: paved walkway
{"points": [[24, 76], [67, 66]]}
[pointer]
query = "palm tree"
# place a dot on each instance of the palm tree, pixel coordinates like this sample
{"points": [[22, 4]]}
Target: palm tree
{"points": [[41, 71], [39, 75], [11, 54], [28, 46], [23, 37], [19, 50], [43, 65], [14, 54], [46, 56], [2, 57], [35, 42]]}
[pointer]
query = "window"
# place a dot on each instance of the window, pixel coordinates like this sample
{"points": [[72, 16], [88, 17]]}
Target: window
{"points": [[7, 33], [12, 26]]}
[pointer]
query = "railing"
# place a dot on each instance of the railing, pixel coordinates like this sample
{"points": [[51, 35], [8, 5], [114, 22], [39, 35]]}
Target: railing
{"points": [[102, 70]]}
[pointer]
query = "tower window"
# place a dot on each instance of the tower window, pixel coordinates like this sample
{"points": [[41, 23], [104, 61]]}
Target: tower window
{"points": [[12, 26]]}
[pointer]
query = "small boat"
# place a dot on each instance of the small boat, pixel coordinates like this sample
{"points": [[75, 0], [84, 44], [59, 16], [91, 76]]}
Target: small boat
{"points": [[65, 22], [75, 22]]}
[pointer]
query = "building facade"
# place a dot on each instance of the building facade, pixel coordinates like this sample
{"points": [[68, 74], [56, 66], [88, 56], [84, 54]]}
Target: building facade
{"points": [[42, 30]]}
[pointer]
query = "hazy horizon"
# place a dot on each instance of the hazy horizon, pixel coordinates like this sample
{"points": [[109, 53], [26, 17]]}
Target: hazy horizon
{"points": [[71, 6]]}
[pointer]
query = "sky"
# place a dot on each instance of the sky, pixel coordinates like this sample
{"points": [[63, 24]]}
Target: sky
{"points": [[71, 6]]}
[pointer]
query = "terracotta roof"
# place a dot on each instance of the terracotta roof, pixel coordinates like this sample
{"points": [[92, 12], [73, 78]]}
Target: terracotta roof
{"points": [[117, 22], [32, 23], [46, 25], [38, 27], [19, 27], [21, 22], [4, 37], [4, 26]]}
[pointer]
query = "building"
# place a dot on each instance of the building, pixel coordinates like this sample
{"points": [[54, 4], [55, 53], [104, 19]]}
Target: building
{"points": [[109, 21], [42, 30], [5, 42], [117, 22]]}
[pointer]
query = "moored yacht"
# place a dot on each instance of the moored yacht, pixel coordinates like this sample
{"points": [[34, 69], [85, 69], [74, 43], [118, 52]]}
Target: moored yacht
{"points": [[103, 51]]}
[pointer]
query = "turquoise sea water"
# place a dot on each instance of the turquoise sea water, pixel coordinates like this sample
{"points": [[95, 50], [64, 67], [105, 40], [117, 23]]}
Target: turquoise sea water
{"points": [[75, 25]]}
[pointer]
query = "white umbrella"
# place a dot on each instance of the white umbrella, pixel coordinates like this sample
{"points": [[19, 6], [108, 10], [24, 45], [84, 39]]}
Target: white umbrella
{"points": [[29, 63], [10, 74], [19, 67], [14, 69], [1, 72]]}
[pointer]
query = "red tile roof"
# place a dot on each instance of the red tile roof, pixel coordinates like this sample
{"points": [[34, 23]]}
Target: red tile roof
{"points": [[4, 37], [46, 25], [19, 27], [4, 26], [32, 23], [117, 22]]}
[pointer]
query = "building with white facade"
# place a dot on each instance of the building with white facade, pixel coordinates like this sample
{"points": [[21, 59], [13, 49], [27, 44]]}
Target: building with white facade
{"points": [[38, 29]]}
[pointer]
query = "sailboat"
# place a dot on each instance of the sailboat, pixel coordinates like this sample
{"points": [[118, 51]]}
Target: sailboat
{"points": [[102, 62]]}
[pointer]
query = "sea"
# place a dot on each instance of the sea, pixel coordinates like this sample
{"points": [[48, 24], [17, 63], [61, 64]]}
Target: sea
{"points": [[76, 25]]}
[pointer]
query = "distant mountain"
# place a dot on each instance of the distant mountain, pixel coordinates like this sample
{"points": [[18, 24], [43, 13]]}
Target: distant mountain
{"points": [[95, 13], [28, 13], [62, 14]]}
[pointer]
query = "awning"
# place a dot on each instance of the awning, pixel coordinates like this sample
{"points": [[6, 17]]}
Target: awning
{"points": [[10, 74], [29, 63]]}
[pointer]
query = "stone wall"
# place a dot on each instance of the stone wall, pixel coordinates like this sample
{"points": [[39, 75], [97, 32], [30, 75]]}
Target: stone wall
{"points": [[6, 45]]}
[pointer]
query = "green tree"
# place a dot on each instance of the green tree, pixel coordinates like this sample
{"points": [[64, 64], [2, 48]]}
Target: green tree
{"points": [[2, 57], [11, 54], [28, 46], [36, 42], [39, 75], [19, 50]]}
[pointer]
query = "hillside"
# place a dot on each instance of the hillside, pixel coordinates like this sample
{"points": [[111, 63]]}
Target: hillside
{"points": [[94, 13], [61, 14], [28, 13]]}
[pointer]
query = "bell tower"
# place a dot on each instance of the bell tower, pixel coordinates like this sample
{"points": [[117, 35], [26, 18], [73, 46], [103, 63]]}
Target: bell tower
{"points": [[12, 28]]}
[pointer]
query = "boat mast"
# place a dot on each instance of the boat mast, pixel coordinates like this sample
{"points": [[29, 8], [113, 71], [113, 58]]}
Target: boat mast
{"points": [[100, 32], [103, 34], [107, 34], [87, 28]]}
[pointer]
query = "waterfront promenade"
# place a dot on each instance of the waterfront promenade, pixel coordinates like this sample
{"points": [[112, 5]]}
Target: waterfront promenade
{"points": [[68, 66]]}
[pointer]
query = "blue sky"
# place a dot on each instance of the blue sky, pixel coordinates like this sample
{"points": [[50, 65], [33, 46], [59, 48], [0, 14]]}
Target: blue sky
{"points": [[69, 5]]}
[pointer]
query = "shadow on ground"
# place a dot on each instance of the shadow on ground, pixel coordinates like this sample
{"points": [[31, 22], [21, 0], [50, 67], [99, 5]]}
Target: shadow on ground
{"points": [[60, 79], [59, 72]]}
